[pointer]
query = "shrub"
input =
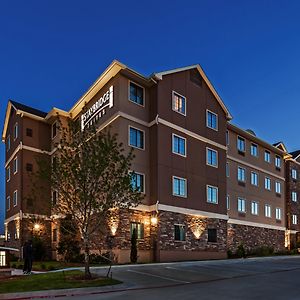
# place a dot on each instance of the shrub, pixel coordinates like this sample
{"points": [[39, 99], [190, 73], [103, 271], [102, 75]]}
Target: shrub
{"points": [[43, 266], [240, 252], [229, 254], [50, 268]]}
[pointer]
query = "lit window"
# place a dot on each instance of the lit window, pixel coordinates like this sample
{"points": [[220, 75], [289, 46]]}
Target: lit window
{"points": [[8, 203], [241, 205], [137, 182], [241, 174], [54, 130], [254, 208], [211, 235], [179, 103], [179, 145], [277, 161], [278, 213], [136, 138], [211, 157], [15, 165], [179, 187], [8, 143], [179, 232], [211, 120], [254, 178], [138, 228], [212, 194], [294, 219], [228, 202], [267, 156], [16, 131], [267, 183], [136, 93], [268, 211], [294, 196], [254, 150], [8, 174], [278, 187], [15, 198], [294, 174], [241, 144]]}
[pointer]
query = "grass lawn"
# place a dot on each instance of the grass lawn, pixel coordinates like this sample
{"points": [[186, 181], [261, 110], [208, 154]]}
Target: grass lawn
{"points": [[49, 281]]}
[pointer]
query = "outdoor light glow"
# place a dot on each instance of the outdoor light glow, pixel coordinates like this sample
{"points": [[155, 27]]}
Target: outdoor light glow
{"points": [[154, 220], [37, 226], [113, 229]]}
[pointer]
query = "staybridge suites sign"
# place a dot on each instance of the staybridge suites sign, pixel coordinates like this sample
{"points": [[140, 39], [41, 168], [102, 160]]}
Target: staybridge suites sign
{"points": [[98, 109]]}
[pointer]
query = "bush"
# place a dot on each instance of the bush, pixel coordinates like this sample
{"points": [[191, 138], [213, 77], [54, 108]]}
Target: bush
{"points": [[43, 266], [262, 251], [229, 254], [50, 268], [240, 252]]}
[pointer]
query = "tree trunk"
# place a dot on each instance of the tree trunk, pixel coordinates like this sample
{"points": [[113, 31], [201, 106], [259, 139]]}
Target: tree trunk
{"points": [[87, 272]]}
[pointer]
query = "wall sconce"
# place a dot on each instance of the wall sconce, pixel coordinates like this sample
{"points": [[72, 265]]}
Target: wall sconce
{"points": [[154, 220], [37, 227]]}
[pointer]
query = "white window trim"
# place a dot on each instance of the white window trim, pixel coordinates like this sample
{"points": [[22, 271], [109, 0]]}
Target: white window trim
{"points": [[144, 179], [212, 186], [144, 145], [144, 94], [237, 143], [268, 205], [265, 156], [8, 201], [17, 135], [238, 174], [227, 137], [173, 106], [228, 202], [185, 145], [294, 193], [15, 193], [270, 184], [257, 208], [253, 144], [8, 174], [257, 185], [16, 163], [295, 172], [217, 123], [53, 137], [207, 148], [185, 186], [294, 218], [276, 183], [277, 156], [280, 213], [241, 211]]}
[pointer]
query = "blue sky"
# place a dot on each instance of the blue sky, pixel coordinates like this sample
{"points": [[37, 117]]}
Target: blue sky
{"points": [[51, 51]]}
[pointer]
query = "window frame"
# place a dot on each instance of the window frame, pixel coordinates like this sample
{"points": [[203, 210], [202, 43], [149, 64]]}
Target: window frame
{"points": [[237, 143], [217, 121], [182, 226], [239, 167], [241, 200], [217, 158], [173, 103], [277, 183], [185, 145], [213, 187], [257, 178], [16, 131], [15, 165], [268, 178], [144, 93], [144, 180], [144, 145], [15, 203], [8, 203], [277, 159], [292, 197], [185, 186], [294, 219], [268, 210], [142, 230], [269, 155], [255, 147], [276, 213], [216, 232], [255, 203], [294, 172]]}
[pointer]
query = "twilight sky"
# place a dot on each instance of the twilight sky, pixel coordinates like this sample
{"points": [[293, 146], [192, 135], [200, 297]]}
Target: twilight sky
{"points": [[51, 52]]}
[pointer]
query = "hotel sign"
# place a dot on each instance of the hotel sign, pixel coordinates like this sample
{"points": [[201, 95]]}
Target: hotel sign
{"points": [[98, 109]]}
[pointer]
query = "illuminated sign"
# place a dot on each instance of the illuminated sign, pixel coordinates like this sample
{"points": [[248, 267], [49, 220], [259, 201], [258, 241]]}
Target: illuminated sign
{"points": [[98, 109]]}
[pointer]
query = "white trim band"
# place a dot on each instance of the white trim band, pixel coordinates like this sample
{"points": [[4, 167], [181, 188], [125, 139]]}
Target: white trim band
{"points": [[253, 224]]}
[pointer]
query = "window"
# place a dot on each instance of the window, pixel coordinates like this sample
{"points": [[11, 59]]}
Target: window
{"points": [[212, 194], [8, 174], [179, 232], [241, 205], [54, 235], [15, 165], [254, 208], [136, 138], [211, 157], [241, 174], [254, 150], [294, 174], [277, 162], [179, 103], [29, 132], [227, 137], [137, 182], [267, 156], [54, 130], [15, 198], [54, 197], [178, 145], [241, 145], [212, 235], [29, 167], [8, 143], [136, 93], [227, 170], [211, 120], [278, 213], [278, 187], [179, 187], [16, 131], [294, 219], [268, 211], [267, 183], [139, 229], [8, 203], [228, 202], [294, 196], [254, 178]]}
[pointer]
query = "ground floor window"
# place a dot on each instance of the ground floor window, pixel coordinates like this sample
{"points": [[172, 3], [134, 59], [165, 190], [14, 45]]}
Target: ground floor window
{"points": [[212, 235], [179, 232], [2, 258], [139, 229]]}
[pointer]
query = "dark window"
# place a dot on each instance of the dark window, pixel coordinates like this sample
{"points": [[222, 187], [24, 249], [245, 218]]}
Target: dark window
{"points": [[179, 232], [212, 235], [137, 182], [29, 132], [136, 138], [139, 229], [54, 235], [136, 94], [54, 197], [29, 167]]}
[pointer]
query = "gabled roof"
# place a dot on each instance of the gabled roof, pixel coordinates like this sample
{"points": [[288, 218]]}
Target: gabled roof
{"points": [[209, 84], [28, 109], [280, 145], [295, 154]]}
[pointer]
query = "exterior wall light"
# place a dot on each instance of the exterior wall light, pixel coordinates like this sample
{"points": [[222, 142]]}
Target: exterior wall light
{"points": [[37, 226], [154, 220]]}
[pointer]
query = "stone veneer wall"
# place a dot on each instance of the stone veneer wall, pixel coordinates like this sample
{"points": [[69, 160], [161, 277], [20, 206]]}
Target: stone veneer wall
{"points": [[254, 237]]}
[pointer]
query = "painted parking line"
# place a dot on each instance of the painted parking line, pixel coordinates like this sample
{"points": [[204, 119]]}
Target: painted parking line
{"points": [[157, 276]]}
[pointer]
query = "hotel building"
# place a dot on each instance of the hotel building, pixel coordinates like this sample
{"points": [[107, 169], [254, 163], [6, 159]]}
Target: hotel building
{"points": [[209, 184]]}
